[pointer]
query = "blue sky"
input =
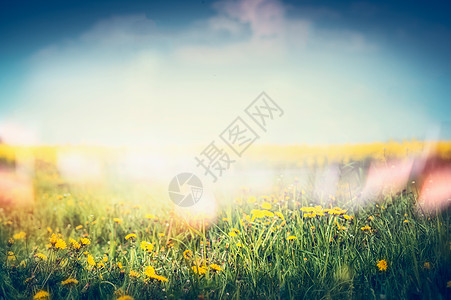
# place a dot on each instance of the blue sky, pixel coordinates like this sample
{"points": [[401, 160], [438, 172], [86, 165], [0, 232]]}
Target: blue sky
{"points": [[170, 72]]}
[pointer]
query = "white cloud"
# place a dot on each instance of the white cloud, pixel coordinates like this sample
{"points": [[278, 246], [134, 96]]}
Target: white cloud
{"points": [[121, 30], [265, 17], [124, 81], [225, 24]]}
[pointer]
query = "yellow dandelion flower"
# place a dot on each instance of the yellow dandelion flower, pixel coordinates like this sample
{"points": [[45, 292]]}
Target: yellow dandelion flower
{"points": [[149, 271], [129, 236], [266, 205], [382, 265], [79, 227], [91, 260], [70, 281], [100, 265], [41, 256], [159, 277], [406, 221], [85, 241], [251, 199], [53, 239], [199, 270], [215, 267], [146, 246], [307, 209], [292, 237], [117, 220], [60, 244], [10, 241], [366, 228], [11, 256], [105, 258], [238, 245], [258, 214], [125, 297], [268, 213], [133, 274], [19, 236], [161, 234], [188, 254], [232, 234], [41, 295], [235, 230], [76, 245], [119, 265], [310, 215], [427, 265], [348, 217], [49, 230], [338, 212]]}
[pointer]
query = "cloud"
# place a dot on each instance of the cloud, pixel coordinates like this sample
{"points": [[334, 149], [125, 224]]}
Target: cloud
{"points": [[343, 41], [123, 81], [260, 29], [225, 24], [265, 17], [121, 30]]}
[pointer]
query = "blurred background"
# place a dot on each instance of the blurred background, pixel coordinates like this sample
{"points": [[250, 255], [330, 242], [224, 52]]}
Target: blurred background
{"points": [[132, 92]]}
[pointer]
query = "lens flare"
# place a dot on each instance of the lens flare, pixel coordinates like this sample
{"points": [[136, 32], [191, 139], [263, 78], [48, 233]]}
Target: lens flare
{"points": [[387, 177], [435, 193]]}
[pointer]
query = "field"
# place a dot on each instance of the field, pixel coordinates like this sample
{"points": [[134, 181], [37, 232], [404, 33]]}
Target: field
{"points": [[125, 240]]}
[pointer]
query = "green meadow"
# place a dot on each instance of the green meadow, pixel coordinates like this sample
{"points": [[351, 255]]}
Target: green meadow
{"points": [[91, 241]]}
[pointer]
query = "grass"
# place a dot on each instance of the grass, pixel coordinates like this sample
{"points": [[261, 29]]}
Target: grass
{"points": [[267, 247]]}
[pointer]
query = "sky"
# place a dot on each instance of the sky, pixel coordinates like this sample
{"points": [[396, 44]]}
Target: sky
{"points": [[179, 72]]}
